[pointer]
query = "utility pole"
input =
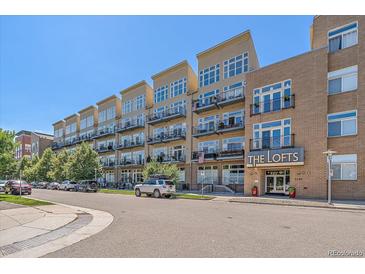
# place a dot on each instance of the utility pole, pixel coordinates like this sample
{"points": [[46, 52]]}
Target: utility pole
{"points": [[329, 153], [20, 182]]}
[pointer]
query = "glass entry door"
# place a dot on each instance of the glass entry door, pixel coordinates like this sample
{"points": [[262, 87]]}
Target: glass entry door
{"points": [[277, 181]]}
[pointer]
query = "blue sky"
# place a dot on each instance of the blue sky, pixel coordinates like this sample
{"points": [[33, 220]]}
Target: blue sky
{"points": [[54, 66]]}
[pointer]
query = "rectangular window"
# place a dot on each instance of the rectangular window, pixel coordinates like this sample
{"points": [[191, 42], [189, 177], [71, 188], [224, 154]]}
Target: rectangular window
{"points": [[234, 143], [342, 80], [343, 37], [127, 107], [161, 94], [141, 102], [342, 124], [70, 128], [110, 113], [208, 76], [236, 65], [102, 116], [233, 174], [344, 167], [209, 146], [178, 88], [87, 122], [207, 175]]}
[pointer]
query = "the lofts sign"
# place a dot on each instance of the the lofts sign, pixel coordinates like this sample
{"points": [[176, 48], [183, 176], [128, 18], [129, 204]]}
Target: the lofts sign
{"points": [[276, 157]]}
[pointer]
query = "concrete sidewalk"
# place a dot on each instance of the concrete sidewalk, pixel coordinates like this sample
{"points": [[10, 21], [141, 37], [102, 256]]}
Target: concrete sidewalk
{"points": [[37, 231], [285, 201]]}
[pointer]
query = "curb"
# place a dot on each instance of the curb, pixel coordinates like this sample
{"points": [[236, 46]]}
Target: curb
{"points": [[300, 204], [100, 221]]}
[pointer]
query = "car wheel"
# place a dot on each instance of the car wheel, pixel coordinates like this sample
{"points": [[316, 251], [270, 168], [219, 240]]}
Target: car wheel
{"points": [[137, 192], [156, 193], [149, 194], [167, 196]]}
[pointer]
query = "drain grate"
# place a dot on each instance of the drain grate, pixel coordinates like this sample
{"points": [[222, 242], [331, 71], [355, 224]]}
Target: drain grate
{"points": [[81, 220]]}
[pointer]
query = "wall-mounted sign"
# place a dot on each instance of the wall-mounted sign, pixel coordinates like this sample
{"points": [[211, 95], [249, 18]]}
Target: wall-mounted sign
{"points": [[276, 157]]}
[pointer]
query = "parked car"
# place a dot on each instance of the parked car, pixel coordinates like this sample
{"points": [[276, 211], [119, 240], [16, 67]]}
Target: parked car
{"points": [[42, 185], [14, 186], [87, 186], [53, 186], [67, 185], [158, 187], [2, 185], [34, 184]]}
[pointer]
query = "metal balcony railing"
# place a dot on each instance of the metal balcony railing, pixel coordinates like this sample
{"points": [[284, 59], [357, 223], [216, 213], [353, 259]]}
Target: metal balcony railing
{"points": [[230, 153], [170, 158], [103, 132], [166, 115], [204, 104], [230, 96], [230, 125], [278, 104], [205, 129], [108, 164], [124, 126], [57, 145], [130, 162], [130, 144], [103, 148], [208, 155], [283, 141], [167, 137]]}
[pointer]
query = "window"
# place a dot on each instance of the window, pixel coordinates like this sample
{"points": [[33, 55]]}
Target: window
{"points": [[209, 76], [178, 87], [342, 80], [208, 123], [233, 174], [233, 118], [58, 133], [236, 65], [127, 107], [207, 175], [343, 37], [102, 116], [110, 113], [208, 98], [342, 124], [273, 97], [141, 102], [161, 94], [272, 135], [234, 143], [344, 167], [87, 122], [159, 152], [209, 146], [70, 128]]}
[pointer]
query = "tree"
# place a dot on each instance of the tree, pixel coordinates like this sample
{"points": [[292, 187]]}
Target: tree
{"points": [[156, 168], [83, 163], [43, 169], [7, 152], [59, 170], [23, 164]]}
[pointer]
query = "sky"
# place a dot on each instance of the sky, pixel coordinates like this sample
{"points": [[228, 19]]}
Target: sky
{"points": [[54, 66]]}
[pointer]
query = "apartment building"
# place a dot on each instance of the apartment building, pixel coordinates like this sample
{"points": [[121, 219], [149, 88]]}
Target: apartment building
{"points": [[31, 143], [169, 119], [218, 126], [131, 133], [236, 125]]}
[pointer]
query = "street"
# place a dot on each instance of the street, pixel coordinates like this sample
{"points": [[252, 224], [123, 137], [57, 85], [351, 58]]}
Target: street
{"points": [[148, 227]]}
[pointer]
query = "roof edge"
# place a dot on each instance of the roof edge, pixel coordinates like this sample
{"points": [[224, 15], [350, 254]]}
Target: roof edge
{"points": [[107, 99], [136, 85], [180, 64]]}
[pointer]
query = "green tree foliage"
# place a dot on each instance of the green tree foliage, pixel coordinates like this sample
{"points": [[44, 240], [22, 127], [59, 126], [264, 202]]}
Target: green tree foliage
{"points": [[59, 170], [7, 152], [156, 168], [83, 163], [23, 164], [43, 168]]}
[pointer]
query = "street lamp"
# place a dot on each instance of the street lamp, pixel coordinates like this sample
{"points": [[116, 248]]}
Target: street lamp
{"points": [[329, 153]]}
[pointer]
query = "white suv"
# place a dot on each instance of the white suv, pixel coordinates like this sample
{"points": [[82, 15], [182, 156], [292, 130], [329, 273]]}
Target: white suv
{"points": [[156, 187]]}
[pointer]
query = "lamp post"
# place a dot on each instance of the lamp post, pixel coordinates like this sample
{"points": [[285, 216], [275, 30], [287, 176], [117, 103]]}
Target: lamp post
{"points": [[329, 153]]}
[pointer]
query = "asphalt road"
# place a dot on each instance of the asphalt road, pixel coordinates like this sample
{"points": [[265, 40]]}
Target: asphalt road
{"points": [[148, 227]]}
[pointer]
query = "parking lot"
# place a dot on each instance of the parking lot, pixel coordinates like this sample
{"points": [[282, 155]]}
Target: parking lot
{"points": [[148, 227]]}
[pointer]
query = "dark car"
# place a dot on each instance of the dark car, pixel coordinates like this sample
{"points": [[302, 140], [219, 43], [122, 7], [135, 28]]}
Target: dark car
{"points": [[42, 185], [13, 187], [87, 186], [53, 186]]}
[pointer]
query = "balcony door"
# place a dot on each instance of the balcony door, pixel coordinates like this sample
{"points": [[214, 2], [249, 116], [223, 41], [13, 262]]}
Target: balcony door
{"points": [[271, 138]]}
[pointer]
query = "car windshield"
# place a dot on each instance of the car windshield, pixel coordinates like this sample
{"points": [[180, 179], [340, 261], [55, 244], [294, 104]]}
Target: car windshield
{"points": [[169, 183], [18, 183]]}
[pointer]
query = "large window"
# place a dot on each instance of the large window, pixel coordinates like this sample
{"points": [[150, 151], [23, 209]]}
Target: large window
{"points": [[140, 102], [161, 94], [110, 113], [234, 143], [344, 167], [208, 98], [233, 174], [236, 65], [207, 175], [102, 116], [233, 117], [209, 76], [70, 128], [178, 87], [342, 123], [87, 122], [127, 107], [209, 146], [343, 37], [342, 80], [58, 133], [208, 123]]}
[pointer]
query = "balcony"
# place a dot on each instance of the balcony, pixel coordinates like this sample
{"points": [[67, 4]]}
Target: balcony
{"points": [[204, 130], [230, 125], [71, 142], [102, 149], [108, 164], [231, 96], [207, 155], [122, 127], [273, 105], [103, 132], [176, 158], [57, 145], [130, 144], [205, 104], [130, 162], [166, 115], [283, 141], [230, 153], [167, 137], [83, 138]]}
